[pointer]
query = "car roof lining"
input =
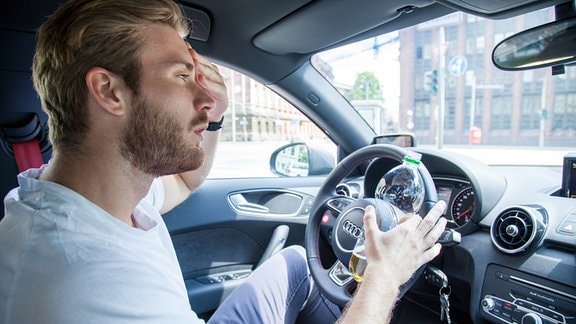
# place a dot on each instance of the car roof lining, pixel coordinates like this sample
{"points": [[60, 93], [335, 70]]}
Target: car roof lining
{"points": [[354, 18], [273, 39], [362, 16], [270, 40], [498, 9]]}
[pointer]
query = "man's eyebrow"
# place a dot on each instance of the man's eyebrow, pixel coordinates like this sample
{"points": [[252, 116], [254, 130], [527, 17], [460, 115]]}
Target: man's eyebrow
{"points": [[189, 66]]}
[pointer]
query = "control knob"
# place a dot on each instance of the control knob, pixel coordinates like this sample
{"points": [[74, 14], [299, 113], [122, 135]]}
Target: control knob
{"points": [[531, 318], [488, 304]]}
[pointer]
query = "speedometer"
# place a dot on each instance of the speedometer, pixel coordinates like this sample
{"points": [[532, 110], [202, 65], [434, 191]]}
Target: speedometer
{"points": [[463, 206]]}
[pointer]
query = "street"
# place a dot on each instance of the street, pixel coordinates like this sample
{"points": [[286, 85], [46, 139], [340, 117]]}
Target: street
{"points": [[251, 159]]}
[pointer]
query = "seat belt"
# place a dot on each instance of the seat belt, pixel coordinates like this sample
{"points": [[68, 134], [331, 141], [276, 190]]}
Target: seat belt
{"points": [[24, 142], [27, 155]]}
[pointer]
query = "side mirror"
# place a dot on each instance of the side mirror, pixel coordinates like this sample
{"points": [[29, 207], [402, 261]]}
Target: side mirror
{"points": [[301, 160]]}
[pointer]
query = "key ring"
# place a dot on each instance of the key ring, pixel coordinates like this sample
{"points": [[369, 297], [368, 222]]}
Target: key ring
{"points": [[446, 290]]}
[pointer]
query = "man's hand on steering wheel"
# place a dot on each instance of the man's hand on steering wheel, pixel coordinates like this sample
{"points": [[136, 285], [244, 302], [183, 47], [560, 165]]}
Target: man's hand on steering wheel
{"points": [[399, 252], [392, 257]]}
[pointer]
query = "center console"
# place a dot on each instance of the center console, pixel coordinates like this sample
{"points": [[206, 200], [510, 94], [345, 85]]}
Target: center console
{"points": [[511, 296]]}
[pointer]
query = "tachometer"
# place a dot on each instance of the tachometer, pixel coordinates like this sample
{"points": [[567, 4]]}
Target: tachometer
{"points": [[463, 206]]}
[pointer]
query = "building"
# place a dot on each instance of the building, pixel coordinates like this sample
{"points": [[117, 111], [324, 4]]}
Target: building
{"points": [[546, 104], [256, 114]]}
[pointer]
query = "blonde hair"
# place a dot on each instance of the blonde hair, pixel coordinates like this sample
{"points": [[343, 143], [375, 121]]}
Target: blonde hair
{"points": [[82, 34]]}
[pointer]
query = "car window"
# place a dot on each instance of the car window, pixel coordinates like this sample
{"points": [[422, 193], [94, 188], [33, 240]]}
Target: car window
{"points": [[259, 121], [403, 82]]}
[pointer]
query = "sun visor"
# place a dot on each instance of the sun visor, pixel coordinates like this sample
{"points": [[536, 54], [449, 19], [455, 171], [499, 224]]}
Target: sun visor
{"points": [[304, 32], [200, 23]]}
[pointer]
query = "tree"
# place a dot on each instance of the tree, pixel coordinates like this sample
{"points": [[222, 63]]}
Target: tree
{"points": [[366, 87]]}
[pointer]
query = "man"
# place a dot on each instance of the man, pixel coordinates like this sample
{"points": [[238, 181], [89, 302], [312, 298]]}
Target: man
{"points": [[129, 101]]}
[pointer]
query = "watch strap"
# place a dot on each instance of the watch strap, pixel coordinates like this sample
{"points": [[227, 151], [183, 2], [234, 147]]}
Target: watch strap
{"points": [[214, 126]]}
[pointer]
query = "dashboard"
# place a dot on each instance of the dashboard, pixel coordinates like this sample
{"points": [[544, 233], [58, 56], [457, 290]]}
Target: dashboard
{"points": [[516, 261]]}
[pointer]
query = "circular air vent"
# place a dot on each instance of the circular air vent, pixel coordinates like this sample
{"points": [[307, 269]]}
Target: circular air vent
{"points": [[343, 189], [518, 229]]}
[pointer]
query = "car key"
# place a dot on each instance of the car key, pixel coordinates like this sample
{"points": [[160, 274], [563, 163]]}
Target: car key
{"points": [[438, 278], [449, 237], [445, 304], [435, 276]]}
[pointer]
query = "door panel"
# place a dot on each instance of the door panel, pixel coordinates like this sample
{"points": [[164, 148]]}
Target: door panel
{"points": [[222, 230]]}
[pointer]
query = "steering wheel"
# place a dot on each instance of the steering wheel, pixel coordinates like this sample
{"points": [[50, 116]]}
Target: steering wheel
{"points": [[323, 233]]}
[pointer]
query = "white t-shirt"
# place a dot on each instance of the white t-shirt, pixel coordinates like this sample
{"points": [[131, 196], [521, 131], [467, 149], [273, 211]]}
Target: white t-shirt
{"points": [[65, 260]]}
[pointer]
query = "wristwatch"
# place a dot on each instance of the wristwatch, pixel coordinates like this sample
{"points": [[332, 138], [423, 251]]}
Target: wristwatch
{"points": [[214, 126]]}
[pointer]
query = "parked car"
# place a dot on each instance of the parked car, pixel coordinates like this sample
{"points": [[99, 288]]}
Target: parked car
{"points": [[366, 81]]}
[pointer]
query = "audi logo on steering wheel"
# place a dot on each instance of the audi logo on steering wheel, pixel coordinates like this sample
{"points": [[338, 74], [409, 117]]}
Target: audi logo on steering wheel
{"points": [[352, 229]]}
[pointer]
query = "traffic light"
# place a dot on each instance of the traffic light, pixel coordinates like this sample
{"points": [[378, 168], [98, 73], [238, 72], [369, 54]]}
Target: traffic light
{"points": [[431, 81], [434, 81]]}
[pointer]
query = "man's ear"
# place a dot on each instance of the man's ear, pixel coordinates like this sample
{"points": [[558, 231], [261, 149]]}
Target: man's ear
{"points": [[107, 90]]}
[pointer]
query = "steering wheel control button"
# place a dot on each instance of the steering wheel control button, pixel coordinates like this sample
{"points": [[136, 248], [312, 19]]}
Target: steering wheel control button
{"points": [[339, 204], [339, 274]]}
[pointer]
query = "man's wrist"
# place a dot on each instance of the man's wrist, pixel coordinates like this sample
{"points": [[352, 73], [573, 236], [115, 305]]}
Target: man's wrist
{"points": [[214, 126]]}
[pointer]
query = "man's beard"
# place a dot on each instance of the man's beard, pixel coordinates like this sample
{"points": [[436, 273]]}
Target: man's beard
{"points": [[152, 141]]}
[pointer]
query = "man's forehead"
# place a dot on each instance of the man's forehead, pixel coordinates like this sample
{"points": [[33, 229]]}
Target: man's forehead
{"points": [[162, 43]]}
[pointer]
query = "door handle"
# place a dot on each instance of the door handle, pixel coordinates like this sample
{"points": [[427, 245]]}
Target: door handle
{"points": [[242, 204], [246, 206]]}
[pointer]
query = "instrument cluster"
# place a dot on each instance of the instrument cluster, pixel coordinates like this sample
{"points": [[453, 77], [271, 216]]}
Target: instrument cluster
{"points": [[460, 199]]}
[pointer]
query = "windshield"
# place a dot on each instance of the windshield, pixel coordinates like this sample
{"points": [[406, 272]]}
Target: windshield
{"points": [[437, 81]]}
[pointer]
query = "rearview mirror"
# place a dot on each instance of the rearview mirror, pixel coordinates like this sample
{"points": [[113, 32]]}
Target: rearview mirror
{"points": [[398, 139], [547, 45]]}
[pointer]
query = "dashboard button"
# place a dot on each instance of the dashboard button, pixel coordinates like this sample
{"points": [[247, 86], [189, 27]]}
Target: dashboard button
{"points": [[567, 227]]}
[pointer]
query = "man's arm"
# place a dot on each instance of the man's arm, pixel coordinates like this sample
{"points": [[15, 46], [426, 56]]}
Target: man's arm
{"points": [[178, 187]]}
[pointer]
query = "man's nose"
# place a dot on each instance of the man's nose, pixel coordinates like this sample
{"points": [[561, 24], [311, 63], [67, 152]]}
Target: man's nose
{"points": [[203, 101]]}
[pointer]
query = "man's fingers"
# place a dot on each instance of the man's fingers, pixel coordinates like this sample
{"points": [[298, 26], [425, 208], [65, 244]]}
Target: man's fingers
{"points": [[207, 72], [431, 218], [439, 207], [431, 253], [370, 223], [434, 234], [205, 66]]}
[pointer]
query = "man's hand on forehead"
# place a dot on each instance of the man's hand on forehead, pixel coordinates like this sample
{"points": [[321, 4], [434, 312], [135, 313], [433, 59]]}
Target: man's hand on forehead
{"points": [[209, 78]]}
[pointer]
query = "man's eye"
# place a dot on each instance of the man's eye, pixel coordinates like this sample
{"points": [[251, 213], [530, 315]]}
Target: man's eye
{"points": [[184, 76]]}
